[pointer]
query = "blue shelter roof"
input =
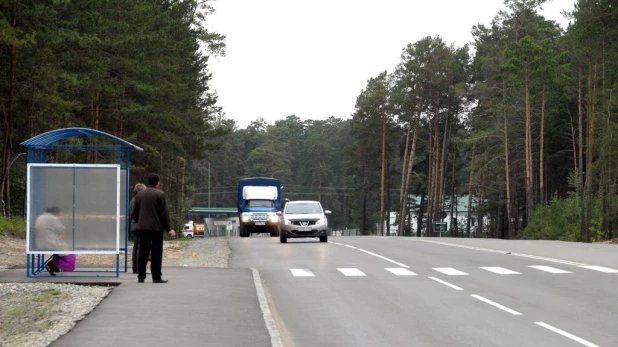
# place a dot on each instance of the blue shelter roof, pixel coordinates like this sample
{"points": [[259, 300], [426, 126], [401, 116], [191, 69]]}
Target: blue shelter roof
{"points": [[48, 139]]}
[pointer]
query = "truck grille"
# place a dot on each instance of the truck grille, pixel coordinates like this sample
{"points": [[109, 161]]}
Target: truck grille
{"points": [[259, 217]]}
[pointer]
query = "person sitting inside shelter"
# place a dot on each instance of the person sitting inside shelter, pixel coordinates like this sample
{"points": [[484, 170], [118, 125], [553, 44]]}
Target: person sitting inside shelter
{"points": [[50, 233]]}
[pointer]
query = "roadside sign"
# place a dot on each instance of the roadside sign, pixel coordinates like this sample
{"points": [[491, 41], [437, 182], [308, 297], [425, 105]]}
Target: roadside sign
{"points": [[439, 227], [222, 222]]}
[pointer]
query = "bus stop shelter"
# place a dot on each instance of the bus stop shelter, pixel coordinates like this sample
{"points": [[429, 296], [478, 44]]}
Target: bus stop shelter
{"points": [[76, 198]]}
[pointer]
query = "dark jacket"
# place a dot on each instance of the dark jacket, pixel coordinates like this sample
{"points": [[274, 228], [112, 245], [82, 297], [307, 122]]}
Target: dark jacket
{"points": [[133, 221], [150, 210]]}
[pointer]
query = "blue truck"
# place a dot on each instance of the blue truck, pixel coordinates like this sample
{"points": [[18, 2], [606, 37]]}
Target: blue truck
{"points": [[259, 200]]}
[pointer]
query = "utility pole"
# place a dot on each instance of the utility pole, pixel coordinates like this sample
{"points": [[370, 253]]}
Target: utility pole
{"points": [[208, 182]]}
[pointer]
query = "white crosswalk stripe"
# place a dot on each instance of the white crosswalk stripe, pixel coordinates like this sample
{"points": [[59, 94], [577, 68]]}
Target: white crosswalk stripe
{"points": [[549, 269], [500, 270], [600, 268], [302, 273], [398, 271], [450, 271], [351, 272]]}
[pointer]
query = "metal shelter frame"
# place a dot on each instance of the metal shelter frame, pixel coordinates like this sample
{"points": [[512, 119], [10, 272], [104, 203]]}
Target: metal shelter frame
{"points": [[37, 149]]}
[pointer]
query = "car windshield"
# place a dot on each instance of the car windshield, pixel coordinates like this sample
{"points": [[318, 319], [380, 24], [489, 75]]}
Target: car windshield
{"points": [[260, 203], [303, 208]]}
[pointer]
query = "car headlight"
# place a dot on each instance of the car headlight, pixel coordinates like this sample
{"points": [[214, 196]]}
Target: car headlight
{"points": [[287, 222], [273, 219], [245, 217], [321, 221]]}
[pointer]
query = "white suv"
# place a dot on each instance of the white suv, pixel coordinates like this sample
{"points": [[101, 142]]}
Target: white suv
{"points": [[303, 219]]}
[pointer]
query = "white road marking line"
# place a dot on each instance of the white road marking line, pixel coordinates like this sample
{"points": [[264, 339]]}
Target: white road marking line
{"points": [[495, 304], [275, 338], [600, 268], [385, 258], [549, 269], [351, 272], [445, 283], [302, 273], [350, 246], [565, 334], [450, 271], [500, 270], [500, 252], [400, 271], [336, 243]]}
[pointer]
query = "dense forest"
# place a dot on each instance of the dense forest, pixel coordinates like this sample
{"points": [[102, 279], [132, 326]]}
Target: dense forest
{"points": [[522, 120]]}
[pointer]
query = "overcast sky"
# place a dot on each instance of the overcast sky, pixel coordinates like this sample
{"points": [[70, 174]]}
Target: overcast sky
{"points": [[312, 58]]}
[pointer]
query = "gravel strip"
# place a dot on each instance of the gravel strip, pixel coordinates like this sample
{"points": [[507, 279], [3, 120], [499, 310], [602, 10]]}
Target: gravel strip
{"points": [[201, 252], [36, 314]]}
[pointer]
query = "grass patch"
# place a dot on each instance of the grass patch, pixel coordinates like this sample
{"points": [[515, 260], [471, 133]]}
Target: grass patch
{"points": [[46, 296], [13, 226], [27, 314]]}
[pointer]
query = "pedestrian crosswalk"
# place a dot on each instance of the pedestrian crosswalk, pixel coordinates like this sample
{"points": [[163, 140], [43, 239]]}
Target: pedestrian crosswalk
{"points": [[449, 271], [549, 269], [397, 271], [351, 272], [500, 270]]}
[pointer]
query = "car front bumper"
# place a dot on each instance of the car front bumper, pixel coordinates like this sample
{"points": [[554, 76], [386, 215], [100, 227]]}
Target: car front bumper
{"points": [[293, 231]]}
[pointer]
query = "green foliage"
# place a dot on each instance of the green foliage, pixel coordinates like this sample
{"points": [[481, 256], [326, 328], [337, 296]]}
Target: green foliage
{"points": [[139, 70], [13, 226], [560, 221]]}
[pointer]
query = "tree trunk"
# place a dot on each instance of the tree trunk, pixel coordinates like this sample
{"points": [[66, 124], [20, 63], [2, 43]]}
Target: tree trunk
{"points": [[479, 219], [589, 172], [404, 183], [574, 144], [5, 194], [429, 196], [410, 161], [435, 198], [506, 163], [364, 230], [387, 215], [582, 217], [470, 192], [182, 188], [528, 148], [542, 193], [383, 175], [419, 220], [442, 179], [454, 225]]}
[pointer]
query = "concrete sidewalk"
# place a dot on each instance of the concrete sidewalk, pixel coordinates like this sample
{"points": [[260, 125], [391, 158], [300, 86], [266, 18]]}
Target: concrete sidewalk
{"points": [[198, 307]]}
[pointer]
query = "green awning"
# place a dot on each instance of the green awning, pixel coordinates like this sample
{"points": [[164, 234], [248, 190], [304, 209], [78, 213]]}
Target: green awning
{"points": [[214, 210]]}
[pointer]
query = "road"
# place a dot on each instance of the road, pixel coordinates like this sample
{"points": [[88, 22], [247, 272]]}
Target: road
{"points": [[373, 291]]}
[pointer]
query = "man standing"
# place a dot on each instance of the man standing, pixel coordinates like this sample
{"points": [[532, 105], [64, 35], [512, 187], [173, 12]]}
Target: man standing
{"points": [[138, 188], [152, 216]]}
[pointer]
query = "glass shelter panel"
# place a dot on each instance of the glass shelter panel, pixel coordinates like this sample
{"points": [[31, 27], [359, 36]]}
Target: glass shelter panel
{"points": [[73, 208]]}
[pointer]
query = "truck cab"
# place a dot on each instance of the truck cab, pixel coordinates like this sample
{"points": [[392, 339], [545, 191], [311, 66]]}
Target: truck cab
{"points": [[259, 200], [188, 230]]}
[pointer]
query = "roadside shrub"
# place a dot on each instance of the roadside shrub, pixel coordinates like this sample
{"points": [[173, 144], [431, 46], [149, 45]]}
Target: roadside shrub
{"points": [[13, 226], [560, 220]]}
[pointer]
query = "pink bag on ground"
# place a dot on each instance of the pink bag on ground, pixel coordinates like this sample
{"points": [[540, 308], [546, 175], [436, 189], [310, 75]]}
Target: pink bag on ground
{"points": [[65, 262]]}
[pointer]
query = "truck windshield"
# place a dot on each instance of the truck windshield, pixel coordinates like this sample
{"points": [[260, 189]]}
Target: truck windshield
{"points": [[303, 208], [260, 203]]}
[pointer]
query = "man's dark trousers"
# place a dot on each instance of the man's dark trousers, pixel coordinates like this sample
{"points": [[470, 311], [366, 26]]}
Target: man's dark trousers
{"points": [[135, 252], [150, 241]]}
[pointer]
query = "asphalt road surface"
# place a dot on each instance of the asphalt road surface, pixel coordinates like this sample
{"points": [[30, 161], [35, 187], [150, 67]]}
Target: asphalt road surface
{"points": [[373, 291]]}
